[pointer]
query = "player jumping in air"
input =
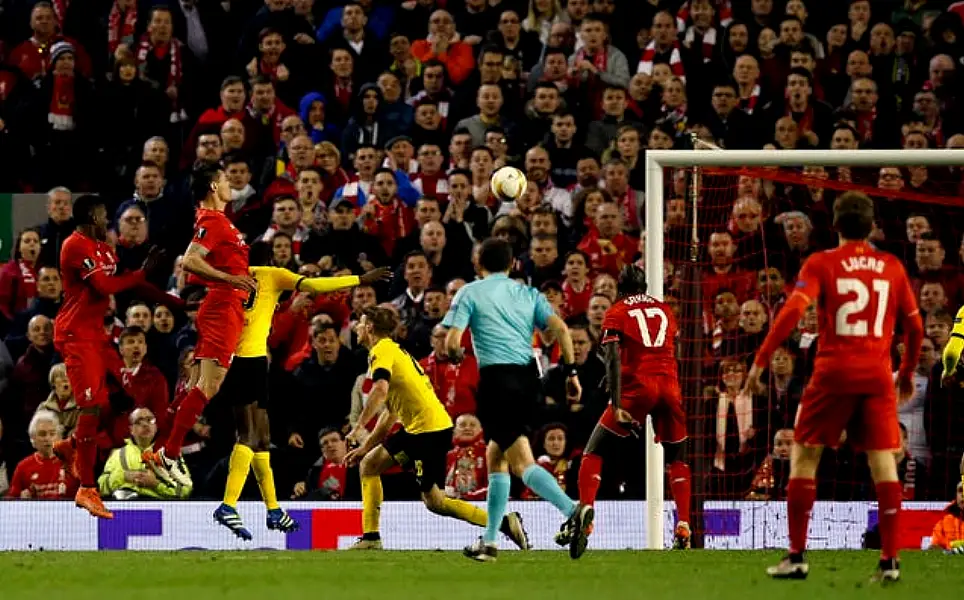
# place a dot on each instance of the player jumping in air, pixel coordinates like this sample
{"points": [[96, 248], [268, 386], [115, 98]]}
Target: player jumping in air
{"points": [[87, 265], [860, 293], [219, 256], [421, 445], [951, 376], [639, 334], [246, 387]]}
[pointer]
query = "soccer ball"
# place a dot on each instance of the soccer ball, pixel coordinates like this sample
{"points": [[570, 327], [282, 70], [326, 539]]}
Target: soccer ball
{"points": [[508, 183]]}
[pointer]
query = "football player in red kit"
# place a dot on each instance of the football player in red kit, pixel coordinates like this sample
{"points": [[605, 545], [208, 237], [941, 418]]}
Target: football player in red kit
{"points": [[219, 256], [860, 293], [639, 341], [87, 266]]}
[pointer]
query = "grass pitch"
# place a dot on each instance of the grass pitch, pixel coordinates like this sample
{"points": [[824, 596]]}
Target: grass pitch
{"points": [[449, 576]]}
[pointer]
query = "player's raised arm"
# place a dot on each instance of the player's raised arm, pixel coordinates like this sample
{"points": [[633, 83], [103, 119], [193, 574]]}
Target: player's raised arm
{"points": [[807, 290], [194, 263], [456, 320], [952, 351], [321, 285]]}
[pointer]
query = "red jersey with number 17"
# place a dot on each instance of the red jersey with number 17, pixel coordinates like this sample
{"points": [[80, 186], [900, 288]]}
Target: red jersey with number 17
{"points": [[860, 293], [227, 251], [646, 330]]}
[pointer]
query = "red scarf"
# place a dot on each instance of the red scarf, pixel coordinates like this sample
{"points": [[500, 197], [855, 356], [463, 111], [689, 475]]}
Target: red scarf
{"points": [[600, 60], [709, 41], [748, 104], [675, 61], [445, 378], [865, 124], [60, 13], [121, 30], [173, 51], [628, 203], [723, 10], [61, 113], [343, 94]]}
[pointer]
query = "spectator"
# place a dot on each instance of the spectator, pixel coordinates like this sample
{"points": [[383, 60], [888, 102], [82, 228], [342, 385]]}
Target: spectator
{"points": [[47, 303], [929, 258], [576, 287], [910, 470], [322, 389], [608, 248], [126, 476], [59, 225], [523, 46], [43, 476], [553, 441], [770, 481], [61, 400], [444, 44], [455, 384], [29, 385], [598, 305], [417, 273], [144, 385], [18, 278], [466, 476], [948, 533], [581, 411], [937, 327], [330, 478], [598, 65]]}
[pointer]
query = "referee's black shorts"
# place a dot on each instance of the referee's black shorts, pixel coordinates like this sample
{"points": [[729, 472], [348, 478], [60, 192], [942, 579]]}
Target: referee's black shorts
{"points": [[507, 401], [246, 382]]}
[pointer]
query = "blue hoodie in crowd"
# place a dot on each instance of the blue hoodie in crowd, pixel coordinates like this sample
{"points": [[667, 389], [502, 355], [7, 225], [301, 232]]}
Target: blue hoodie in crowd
{"points": [[330, 133]]}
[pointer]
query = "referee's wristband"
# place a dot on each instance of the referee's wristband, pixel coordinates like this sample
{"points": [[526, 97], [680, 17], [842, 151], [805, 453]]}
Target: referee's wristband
{"points": [[570, 369]]}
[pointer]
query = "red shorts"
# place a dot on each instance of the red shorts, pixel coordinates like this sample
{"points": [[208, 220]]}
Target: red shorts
{"points": [[658, 397], [867, 413], [219, 323], [88, 363]]}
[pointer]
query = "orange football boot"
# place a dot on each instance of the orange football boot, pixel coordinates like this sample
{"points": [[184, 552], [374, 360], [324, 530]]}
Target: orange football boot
{"points": [[89, 499]]}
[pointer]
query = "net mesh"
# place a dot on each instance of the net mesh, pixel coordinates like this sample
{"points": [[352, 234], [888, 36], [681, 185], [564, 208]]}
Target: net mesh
{"points": [[734, 242]]}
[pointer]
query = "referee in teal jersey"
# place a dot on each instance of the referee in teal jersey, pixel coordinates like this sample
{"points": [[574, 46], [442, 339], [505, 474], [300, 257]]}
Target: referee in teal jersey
{"points": [[503, 316]]}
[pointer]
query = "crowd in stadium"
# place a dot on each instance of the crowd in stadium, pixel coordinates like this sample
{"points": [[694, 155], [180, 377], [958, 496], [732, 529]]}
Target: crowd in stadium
{"points": [[362, 134]]}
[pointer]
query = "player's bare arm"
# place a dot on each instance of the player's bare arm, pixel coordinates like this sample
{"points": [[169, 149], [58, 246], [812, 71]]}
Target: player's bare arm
{"points": [[614, 378], [195, 263], [376, 399], [782, 326], [386, 420]]}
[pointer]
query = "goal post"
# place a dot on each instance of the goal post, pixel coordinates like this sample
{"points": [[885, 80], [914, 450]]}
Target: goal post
{"points": [[656, 163]]}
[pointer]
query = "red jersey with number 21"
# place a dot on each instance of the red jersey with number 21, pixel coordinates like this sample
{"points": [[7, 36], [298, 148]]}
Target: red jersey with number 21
{"points": [[646, 330], [860, 293], [227, 251]]}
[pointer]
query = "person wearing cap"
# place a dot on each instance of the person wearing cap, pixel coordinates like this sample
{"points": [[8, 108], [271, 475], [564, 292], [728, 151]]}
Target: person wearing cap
{"points": [[402, 149], [344, 243]]}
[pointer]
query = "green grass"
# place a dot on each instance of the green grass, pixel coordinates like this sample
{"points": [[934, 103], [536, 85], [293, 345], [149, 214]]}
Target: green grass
{"points": [[446, 575]]}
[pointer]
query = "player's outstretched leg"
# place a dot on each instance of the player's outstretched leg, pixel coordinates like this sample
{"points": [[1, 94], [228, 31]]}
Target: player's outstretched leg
{"points": [[883, 469], [801, 494], [511, 526], [167, 462]]}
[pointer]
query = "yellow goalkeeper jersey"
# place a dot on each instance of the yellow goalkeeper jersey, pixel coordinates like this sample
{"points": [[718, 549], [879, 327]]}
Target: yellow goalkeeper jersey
{"points": [[952, 351], [260, 305]]}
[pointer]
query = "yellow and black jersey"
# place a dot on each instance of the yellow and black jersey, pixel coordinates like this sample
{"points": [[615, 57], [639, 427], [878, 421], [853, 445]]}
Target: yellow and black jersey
{"points": [[410, 393], [260, 305], [952, 351]]}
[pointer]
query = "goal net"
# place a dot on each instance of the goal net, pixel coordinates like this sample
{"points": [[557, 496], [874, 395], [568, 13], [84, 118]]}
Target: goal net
{"points": [[725, 245]]}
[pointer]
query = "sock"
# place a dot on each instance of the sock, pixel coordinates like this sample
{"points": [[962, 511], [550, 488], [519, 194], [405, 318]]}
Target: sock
{"points": [[187, 414], [464, 511], [889, 495], [589, 478], [495, 502], [372, 497], [679, 484], [238, 466], [85, 436], [801, 493], [543, 483], [261, 463]]}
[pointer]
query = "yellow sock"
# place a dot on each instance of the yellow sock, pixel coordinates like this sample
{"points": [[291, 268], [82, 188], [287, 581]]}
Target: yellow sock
{"points": [[372, 497], [464, 511], [238, 467], [265, 477]]}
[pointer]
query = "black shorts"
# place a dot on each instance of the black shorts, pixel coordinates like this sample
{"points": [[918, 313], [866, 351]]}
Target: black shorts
{"points": [[424, 454], [246, 382], [507, 401]]}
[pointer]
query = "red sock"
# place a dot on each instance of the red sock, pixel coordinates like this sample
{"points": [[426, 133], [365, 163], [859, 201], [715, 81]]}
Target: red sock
{"points": [[679, 484], [589, 478], [889, 495], [801, 494], [187, 414], [85, 454]]}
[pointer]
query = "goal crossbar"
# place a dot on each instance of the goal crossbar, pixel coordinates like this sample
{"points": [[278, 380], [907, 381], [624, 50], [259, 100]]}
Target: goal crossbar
{"points": [[656, 161]]}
